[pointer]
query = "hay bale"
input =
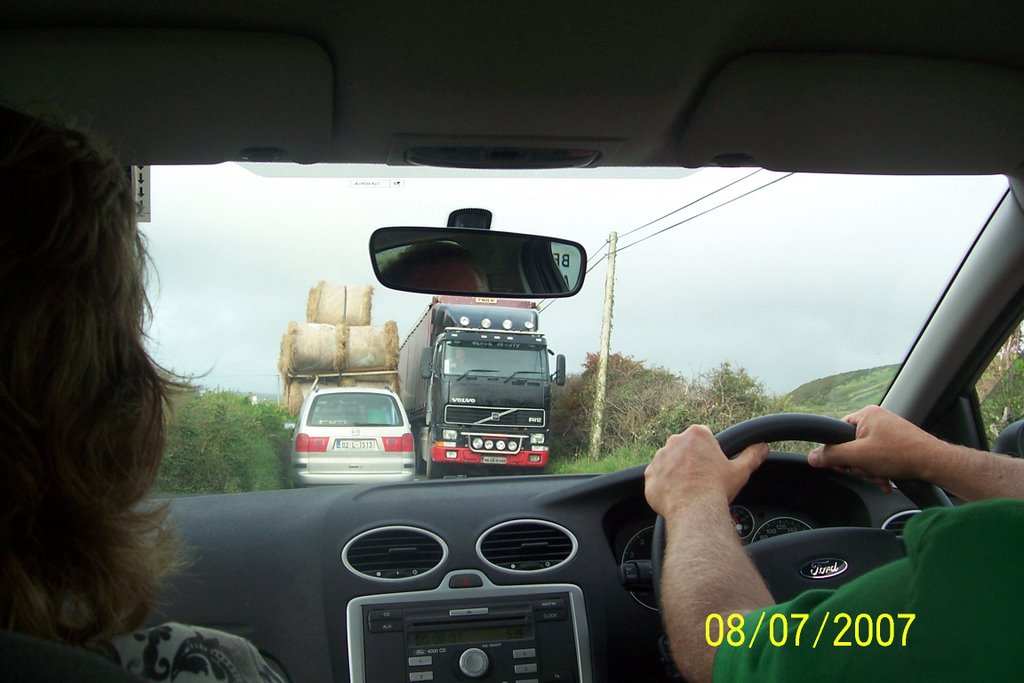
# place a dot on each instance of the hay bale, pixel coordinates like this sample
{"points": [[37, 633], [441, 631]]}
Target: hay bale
{"points": [[334, 304], [374, 381], [295, 392], [367, 347], [308, 348], [341, 346]]}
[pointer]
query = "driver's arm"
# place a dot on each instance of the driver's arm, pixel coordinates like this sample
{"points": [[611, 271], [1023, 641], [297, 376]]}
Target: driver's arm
{"points": [[890, 447], [705, 571]]}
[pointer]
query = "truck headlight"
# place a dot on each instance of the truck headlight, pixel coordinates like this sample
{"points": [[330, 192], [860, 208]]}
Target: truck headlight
{"points": [[478, 443], [536, 438], [449, 434], [500, 445]]}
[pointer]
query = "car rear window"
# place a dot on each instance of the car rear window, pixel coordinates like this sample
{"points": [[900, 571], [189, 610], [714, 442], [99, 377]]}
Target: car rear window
{"points": [[354, 410]]}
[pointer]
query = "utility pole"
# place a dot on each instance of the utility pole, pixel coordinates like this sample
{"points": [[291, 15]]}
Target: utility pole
{"points": [[602, 358]]}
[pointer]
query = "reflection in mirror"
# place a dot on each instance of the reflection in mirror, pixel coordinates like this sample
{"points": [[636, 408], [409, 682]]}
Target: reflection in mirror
{"points": [[468, 261]]}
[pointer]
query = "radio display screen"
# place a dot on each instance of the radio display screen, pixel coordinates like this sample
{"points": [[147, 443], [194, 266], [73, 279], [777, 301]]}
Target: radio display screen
{"points": [[469, 635]]}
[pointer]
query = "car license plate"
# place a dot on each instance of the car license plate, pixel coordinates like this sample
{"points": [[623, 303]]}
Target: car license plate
{"points": [[493, 460], [355, 444]]}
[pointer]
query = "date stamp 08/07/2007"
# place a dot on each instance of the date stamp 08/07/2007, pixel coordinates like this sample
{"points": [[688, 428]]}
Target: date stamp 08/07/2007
{"points": [[782, 630]]}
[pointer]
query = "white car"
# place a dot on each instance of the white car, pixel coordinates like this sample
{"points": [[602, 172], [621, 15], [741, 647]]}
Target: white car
{"points": [[352, 435]]}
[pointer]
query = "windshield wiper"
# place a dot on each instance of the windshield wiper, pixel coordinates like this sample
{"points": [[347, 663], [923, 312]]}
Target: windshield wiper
{"points": [[522, 372], [463, 375]]}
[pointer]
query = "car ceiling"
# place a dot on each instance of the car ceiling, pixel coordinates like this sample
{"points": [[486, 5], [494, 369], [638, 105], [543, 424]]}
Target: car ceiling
{"points": [[922, 86]]}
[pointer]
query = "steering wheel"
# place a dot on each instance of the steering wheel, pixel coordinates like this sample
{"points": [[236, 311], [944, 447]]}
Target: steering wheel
{"points": [[819, 558]]}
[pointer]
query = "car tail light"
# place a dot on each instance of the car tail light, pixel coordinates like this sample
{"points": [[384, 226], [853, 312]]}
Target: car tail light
{"points": [[398, 444], [310, 444]]}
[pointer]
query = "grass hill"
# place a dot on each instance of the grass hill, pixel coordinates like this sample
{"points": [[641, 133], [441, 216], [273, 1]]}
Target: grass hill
{"points": [[841, 394]]}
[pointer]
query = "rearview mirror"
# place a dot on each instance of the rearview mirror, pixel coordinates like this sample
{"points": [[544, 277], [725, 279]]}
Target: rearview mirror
{"points": [[475, 262]]}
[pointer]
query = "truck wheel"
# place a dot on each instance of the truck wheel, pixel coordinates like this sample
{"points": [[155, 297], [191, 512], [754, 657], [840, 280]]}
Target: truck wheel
{"points": [[436, 470], [422, 450]]}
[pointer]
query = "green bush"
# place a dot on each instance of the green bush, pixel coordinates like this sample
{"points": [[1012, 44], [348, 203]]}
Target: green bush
{"points": [[219, 442], [1004, 403], [645, 405]]}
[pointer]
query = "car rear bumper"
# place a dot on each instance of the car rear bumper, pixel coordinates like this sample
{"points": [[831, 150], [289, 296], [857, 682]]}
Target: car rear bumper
{"points": [[306, 478]]}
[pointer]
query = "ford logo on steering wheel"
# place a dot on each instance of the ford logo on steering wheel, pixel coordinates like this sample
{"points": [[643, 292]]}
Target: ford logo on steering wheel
{"points": [[825, 568]]}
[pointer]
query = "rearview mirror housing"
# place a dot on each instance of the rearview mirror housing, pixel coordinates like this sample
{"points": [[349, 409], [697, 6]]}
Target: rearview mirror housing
{"points": [[477, 262]]}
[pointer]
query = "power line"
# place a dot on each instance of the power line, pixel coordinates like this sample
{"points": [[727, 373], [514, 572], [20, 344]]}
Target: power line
{"points": [[686, 220], [695, 201], [706, 212]]}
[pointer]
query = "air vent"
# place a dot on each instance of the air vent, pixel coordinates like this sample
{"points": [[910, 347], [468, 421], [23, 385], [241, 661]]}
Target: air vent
{"points": [[394, 553], [528, 545], [896, 523]]}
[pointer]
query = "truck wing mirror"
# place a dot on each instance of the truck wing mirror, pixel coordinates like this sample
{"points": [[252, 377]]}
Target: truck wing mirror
{"points": [[560, 370], [477, 262], [425, 362]]}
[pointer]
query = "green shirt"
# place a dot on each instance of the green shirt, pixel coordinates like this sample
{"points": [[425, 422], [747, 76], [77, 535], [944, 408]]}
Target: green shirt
{"points": [[962, 579]]}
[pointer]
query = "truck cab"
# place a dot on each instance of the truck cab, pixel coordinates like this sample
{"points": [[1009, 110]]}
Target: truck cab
{"points": [[482, 402]]}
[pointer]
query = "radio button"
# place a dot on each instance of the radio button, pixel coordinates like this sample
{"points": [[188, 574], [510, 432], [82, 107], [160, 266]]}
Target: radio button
{"points": [[421, 661], [526, 680], [526, 668], [385, 625], [468, 612], [549, 603], [551, 615], [525, 653], [385, 614], [421, 676], [474, 663]]}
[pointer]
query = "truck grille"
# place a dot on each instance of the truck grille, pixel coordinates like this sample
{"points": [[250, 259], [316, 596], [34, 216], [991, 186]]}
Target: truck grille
{"points": [[506, 417]]}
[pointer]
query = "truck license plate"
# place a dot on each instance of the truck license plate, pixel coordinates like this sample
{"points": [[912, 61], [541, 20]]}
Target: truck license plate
{"points": [[355, 444], [493, 460]]}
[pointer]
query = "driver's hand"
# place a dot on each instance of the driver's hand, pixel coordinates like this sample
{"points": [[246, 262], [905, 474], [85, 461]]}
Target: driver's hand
{"points": [[886, 447], [692, 464]]}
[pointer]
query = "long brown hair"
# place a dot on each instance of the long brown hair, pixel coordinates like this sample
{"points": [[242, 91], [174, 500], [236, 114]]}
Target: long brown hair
{"points": [[81, 401]]}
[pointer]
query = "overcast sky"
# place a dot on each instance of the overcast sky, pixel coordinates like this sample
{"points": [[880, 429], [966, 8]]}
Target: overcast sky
{"points": [[810, 276]]}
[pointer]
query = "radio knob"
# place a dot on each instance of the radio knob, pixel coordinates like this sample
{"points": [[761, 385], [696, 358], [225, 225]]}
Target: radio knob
{"points": [[474, 663]]}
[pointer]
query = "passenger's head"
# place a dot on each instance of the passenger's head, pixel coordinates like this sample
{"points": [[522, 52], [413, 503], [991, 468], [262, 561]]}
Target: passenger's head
{"points": [[439, 265], [81, 402]]}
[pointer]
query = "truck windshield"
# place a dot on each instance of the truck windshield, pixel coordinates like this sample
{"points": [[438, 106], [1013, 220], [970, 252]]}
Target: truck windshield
{"points": [[527, 363]]}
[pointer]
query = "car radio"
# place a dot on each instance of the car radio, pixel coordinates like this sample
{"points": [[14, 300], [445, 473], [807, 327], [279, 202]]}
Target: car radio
{"points": [[469, 629]]}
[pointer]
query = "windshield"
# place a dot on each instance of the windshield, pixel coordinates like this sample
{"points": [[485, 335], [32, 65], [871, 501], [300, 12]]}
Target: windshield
{"points": [[466, 361], [353, 410], [736, 292]]}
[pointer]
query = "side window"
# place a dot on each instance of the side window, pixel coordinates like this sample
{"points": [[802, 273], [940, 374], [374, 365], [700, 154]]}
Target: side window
{"points": [[1001, 386]]}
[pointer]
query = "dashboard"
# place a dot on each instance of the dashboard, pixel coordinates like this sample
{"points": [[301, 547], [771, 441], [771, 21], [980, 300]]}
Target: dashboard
{"points": [[516, 579]]}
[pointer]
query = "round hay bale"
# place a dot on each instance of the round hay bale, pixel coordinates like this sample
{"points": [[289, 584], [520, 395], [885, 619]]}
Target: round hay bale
{"points": [[341, 346], [368, 348], [308, 348], [295, 392], [383, 381], [335, 304]]}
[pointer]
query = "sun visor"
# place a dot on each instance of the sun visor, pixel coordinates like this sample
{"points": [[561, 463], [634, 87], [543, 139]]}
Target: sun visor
{"points": [[858, 114], [162, 96]]}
